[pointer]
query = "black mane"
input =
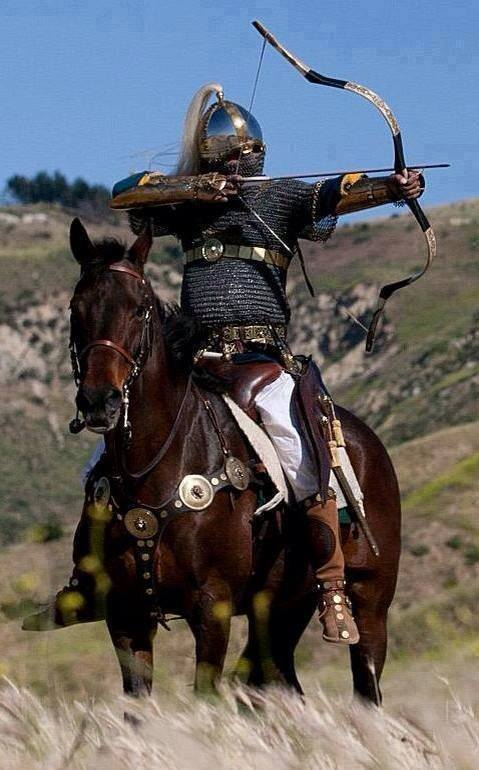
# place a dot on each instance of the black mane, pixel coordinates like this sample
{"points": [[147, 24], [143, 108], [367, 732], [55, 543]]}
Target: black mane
{"points": [[108, 251]]}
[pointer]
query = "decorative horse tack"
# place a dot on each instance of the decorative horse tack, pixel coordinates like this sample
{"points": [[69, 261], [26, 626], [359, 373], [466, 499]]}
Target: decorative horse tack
{"points": [[237, 473], [196, 492], [146, 524], [141, 523]]}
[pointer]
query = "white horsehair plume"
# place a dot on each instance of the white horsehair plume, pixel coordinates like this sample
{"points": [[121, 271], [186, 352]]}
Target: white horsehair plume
{"points": [[189, 158]]}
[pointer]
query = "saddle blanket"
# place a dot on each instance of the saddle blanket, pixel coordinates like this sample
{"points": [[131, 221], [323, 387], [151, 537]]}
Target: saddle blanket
{"points": [[264, 448]]}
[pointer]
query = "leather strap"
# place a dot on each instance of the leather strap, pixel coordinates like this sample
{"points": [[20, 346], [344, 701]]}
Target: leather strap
{"points": [[107, 344], [164, 447], [253, 333], [117, 267]]}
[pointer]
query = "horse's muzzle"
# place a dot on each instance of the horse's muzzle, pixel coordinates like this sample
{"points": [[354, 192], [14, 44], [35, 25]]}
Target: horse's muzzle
{"points": [[100, 407]]}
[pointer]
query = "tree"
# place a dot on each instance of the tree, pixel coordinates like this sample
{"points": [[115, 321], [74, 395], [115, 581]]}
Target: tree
{"points": [[46, 188]]}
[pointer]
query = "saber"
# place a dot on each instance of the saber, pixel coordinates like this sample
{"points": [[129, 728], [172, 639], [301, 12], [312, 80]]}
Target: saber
{"points": [[334, 438]]}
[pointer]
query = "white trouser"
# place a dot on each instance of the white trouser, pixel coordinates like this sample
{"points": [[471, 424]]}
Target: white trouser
{"points": [[273, 403]]}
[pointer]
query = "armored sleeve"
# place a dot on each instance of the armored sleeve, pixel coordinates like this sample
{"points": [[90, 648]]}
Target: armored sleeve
{"points": [[353, 192], [315, 219], [134, 195]]}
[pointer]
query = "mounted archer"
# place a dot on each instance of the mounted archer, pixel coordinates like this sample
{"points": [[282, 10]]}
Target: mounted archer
{"points": [[238, 240]]}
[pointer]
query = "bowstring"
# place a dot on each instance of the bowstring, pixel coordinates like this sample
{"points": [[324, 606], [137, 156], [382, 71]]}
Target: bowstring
{"points": [[253, 93]]}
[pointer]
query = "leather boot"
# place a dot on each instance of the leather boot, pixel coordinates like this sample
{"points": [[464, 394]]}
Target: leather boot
{"points": [[328, 563]]}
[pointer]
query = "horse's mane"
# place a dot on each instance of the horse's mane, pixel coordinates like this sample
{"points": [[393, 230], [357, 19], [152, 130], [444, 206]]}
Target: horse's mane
{"points": [[181, 333], [107, 251]]}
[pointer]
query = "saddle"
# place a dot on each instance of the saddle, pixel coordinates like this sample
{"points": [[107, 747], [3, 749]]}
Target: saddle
{"points": [[241, 378], [246, 374]]}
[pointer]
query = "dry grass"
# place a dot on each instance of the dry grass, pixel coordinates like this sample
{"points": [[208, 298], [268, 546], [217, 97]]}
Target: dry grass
{"points": [[280, 732]]}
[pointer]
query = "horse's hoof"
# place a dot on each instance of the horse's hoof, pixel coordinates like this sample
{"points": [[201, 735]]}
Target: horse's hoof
{"points": [[132, 720]]}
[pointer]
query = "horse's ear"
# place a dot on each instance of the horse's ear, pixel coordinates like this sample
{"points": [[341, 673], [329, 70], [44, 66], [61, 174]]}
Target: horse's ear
{"points": [[139, 251], [81, 246]]}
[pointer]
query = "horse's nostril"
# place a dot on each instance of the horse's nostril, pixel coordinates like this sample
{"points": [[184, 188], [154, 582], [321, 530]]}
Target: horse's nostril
{"points": [[98, 400], [113, 398]]}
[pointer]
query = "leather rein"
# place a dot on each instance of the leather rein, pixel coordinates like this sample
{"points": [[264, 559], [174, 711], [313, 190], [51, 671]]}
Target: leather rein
{"points": [[136, 363]]}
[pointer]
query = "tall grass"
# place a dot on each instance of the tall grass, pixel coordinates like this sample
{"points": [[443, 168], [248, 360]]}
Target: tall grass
{"points": [[278, 732]]}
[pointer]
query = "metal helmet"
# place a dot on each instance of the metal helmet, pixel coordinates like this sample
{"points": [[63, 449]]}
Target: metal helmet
{"points": [[226, 127]]}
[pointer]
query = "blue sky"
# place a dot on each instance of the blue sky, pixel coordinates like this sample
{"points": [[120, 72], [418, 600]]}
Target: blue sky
{"points": [[95, 88]]}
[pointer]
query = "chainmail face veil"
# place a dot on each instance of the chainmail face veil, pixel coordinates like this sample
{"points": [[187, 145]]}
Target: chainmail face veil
{"points": [[249, 165]]}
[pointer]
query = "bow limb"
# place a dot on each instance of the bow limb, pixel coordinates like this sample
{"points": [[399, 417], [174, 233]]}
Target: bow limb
{"points": [[399, 165]]}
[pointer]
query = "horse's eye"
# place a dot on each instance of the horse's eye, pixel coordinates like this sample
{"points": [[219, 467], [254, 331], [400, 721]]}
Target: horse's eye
{"points": [[140, 311]]}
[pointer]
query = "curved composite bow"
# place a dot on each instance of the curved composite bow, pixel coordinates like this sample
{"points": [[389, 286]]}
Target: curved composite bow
{"points": [[399, 166]]}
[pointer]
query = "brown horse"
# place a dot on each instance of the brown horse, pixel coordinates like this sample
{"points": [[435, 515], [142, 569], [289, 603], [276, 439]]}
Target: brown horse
{"points": [[203, 567]]}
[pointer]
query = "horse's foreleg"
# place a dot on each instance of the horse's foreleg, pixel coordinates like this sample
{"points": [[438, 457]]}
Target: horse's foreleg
{"points": [[268, 657], [210, 621], [369, 655], [286, 628], [132, 635]]}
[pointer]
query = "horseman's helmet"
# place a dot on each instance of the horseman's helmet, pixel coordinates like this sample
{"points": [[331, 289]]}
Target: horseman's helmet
{"points": [[226, 128]]}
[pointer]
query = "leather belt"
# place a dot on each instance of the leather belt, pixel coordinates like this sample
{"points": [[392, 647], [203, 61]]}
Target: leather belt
{"points": [[213, 250], [253, 333]]}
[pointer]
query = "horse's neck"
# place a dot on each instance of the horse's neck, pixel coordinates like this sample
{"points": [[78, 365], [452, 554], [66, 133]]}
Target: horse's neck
{"points": [[155, 399]]}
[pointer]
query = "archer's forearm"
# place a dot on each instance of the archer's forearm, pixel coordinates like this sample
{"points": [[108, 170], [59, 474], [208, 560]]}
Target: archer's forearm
{"points": [[155, 189], [355, 192]]}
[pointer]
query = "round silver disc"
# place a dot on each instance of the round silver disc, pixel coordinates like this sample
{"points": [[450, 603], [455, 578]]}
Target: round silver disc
{"points": [[196, 492], [237, 472], [141, 523], [212, 250]]}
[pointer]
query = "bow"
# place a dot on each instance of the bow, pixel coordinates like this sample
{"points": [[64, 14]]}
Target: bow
{"points": [[399, 166]]}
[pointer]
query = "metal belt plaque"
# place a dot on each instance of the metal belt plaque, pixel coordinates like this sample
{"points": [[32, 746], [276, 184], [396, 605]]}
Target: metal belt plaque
{"points": [[141, 523], [237, 472], [212, 250], [196, 492]]}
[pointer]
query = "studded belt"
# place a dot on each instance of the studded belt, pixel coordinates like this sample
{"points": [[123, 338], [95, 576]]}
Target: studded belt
{"points": [[252, 333], [213, 249]]}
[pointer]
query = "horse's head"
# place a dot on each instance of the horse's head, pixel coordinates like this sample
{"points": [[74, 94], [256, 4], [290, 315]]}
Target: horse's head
{"points": [[111, 316]]}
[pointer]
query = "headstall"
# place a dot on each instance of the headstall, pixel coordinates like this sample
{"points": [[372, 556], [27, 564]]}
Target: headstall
{"points": [[136, 361]]}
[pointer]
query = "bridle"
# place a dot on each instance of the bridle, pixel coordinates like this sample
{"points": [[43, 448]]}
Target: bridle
{"points": [[135, 361]]}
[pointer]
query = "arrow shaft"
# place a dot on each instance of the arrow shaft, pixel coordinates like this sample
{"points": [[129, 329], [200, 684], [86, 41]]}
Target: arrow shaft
{"points": [[255, 179]]}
